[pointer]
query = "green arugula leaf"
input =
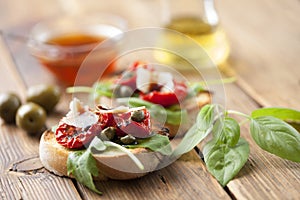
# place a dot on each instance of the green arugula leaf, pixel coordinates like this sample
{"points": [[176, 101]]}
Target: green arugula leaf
{"points": [[276, 137], [157, 111], [223, 161], [289, 115], [202, 127], [285, 114], [195, 88], [157, 143], [227, 131], [82, 165], [172, 117], [103, 89], [98, 89]]}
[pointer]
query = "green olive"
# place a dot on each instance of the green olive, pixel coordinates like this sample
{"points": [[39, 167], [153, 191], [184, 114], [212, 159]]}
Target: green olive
{"points": [[108, 133], [9, 104], [46, 96], [138, 115], [127, 139], [31, 117], [123, 91]]}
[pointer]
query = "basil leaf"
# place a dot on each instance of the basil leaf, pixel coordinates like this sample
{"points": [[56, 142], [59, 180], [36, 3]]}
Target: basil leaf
{"points": [[289, 115], [276, 137], [202, 127], [285, 114], [205, 117], [157, 143], [223, 161], [227, 131], [82, 165]]}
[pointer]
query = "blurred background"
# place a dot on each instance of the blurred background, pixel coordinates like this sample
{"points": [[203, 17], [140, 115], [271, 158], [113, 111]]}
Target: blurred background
{"points": [[262, 34], [264, 28]]}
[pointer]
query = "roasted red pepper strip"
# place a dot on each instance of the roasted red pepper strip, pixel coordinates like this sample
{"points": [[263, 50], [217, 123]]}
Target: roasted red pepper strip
{"points": [[125, 125], [138, 129], [73, 137], [167, 98]]}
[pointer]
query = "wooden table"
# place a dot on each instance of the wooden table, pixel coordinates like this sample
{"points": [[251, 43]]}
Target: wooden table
{"points": [[265, 44]]}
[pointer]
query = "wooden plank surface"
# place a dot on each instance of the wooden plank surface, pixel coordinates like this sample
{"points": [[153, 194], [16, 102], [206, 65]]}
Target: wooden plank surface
{"points": [[264, 176], [16, 146], [186, 178], [265, 44]]}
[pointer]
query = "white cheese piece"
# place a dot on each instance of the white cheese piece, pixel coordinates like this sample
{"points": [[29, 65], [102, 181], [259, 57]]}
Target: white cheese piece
{"points": [[146, 77], [79, 115], [122, 109], [166, 80], [143, 79]]}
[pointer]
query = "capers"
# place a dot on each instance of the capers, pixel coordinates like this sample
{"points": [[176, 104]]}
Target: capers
{"points": [[31, 117], [46, 96], [138, 115], [127, 139], [108, 133], [9, 104], [123, 91]]}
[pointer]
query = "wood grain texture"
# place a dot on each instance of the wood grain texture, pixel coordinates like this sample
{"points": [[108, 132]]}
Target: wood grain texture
{"points": [[265, 176], [265, 42], [186, 179], [36, 186], [17, 146]]}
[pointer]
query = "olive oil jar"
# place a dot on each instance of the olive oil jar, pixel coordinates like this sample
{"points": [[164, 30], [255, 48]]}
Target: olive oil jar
{"points": [[196, 34]]}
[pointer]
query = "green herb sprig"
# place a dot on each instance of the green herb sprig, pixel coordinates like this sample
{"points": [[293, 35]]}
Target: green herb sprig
{"points": [[226, 153]]}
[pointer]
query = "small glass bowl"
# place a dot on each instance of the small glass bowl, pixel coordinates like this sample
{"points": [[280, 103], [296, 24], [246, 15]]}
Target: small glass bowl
{"points": [[61, 45]]}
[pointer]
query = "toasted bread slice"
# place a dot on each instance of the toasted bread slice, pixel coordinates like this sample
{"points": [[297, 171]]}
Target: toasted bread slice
{"points": [[111, 163]]}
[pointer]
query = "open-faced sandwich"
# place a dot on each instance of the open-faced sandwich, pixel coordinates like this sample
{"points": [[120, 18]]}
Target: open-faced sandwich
{"points": [[103, 143], [173, 103]]}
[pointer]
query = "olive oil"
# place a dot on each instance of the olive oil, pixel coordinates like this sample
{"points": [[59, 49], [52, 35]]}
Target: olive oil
{"points": [[209, 38]]}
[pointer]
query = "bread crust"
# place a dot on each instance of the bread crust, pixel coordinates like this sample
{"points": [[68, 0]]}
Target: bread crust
{"points": [[111, 164]]}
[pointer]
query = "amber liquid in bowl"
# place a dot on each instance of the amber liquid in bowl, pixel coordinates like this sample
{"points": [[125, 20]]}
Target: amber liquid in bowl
{"points": [[71, 65]]}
